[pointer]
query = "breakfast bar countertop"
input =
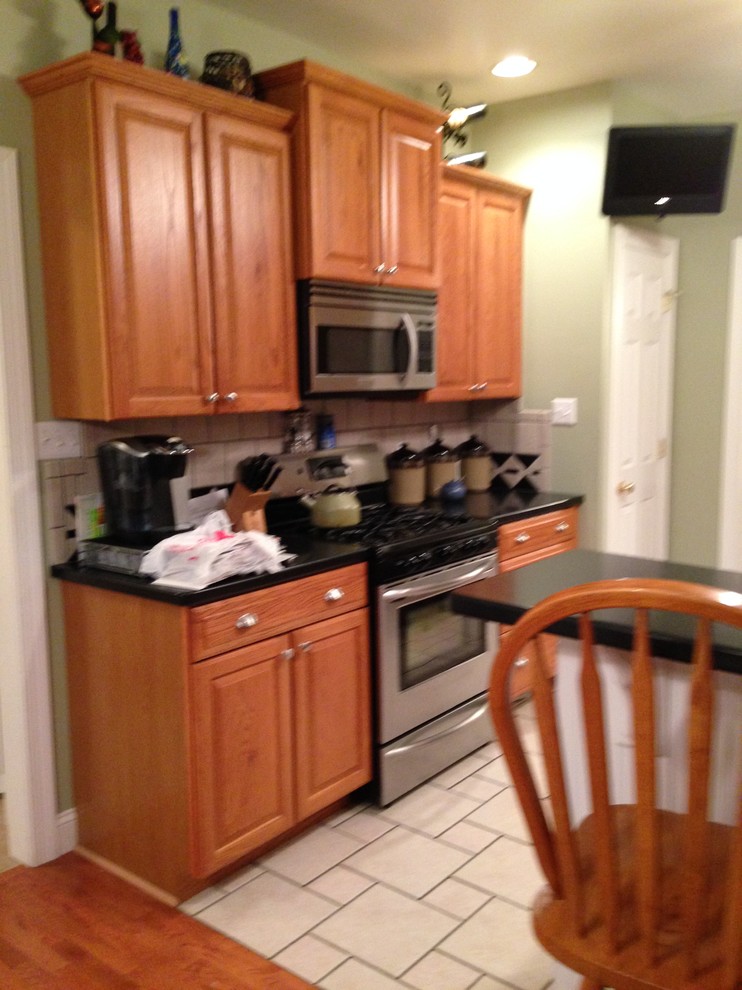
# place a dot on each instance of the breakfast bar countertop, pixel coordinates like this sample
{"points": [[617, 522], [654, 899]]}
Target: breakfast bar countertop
{"points": [[506, 597]]}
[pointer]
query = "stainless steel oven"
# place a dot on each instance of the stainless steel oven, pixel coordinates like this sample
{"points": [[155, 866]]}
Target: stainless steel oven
{"points": [[431, 665], [433, 669], [357, 338]]}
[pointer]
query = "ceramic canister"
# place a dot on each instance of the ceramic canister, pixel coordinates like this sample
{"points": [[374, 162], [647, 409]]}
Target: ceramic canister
{"points": [[441, 465], [406, 476], [476, 464]]}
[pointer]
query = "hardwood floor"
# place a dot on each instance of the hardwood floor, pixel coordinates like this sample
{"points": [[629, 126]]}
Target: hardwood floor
{"points": [[69, 925]]}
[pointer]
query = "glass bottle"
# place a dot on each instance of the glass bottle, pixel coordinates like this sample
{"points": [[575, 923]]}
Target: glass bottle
{"points": [[176, 61], [107, 39]]}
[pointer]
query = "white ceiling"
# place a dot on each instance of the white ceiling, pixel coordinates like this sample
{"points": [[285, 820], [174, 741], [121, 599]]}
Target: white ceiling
{"points": [[683, 55]]}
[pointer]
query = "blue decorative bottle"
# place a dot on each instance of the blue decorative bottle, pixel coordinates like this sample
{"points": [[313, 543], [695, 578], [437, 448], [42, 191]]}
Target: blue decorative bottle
{"points": [[176, 62]]}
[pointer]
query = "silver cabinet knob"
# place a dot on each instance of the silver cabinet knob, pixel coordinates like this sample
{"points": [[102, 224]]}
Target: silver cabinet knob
{"points": [[478, 387], [230, 397], [522, 538], [391, 271], [305, 646], [211, 399], [521, 662], [287, 654], [334, 595], [561, 528], [625, 487], [379, 269], [247, 621]]}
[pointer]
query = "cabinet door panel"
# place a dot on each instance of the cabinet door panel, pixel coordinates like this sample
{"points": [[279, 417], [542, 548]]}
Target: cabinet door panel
{"points": [[241, 753], [331, 692], [457, 224], [157, 253], [411, 160], [499, 247], [344, 177], [252, 265]]}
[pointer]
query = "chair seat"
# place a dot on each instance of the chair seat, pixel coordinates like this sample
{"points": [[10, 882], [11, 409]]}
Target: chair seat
{"points": [[628, 967]]}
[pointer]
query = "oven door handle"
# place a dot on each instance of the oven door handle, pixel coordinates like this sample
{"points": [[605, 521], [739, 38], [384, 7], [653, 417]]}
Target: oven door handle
{"points": [[473, 717], [411, 332], [447, 584]]}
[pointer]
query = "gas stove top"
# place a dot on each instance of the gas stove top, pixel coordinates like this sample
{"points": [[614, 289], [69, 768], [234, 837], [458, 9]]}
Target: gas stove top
{"points": [[401, 540], [408, 540]]}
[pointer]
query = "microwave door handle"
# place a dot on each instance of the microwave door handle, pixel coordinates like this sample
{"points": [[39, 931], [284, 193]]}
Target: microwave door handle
{"points": [[411, 332], [447, 584]]}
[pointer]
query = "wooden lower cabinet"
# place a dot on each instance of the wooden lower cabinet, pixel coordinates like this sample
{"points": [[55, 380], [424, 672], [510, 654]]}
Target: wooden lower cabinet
{"points": [[187, 756], [525, 542], [280, 730]]}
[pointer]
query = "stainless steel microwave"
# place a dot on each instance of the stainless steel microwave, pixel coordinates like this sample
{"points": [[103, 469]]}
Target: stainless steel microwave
{"points": [[358, 338]]}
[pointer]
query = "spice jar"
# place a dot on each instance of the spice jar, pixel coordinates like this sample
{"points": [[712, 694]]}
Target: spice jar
{"points": [[441, 466], [406, 476], [476, 464]]}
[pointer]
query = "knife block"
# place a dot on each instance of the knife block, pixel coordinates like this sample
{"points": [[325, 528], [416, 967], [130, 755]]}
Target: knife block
{"points": [[246, 509]]}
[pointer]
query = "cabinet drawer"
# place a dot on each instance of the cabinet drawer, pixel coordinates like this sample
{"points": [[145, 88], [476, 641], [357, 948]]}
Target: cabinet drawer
{"points": [[249, 618], [540, 536]]}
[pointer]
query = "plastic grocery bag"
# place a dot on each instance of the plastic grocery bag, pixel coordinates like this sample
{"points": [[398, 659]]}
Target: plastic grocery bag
{"points": [[212, 552]]}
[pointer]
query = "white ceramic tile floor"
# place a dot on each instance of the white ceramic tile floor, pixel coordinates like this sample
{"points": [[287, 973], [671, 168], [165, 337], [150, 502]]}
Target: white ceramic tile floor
{"points": [[431, 893]]}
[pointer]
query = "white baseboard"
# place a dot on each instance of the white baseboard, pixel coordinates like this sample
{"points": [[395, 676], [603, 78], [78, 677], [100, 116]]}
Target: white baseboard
{"points": [[66, 831]]}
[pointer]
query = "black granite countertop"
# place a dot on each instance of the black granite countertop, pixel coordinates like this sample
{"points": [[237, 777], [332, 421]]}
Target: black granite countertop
{"points": [[506, 597], [313, 556]]}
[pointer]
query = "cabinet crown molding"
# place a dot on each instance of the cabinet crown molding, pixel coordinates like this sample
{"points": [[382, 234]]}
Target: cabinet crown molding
{"points": [[306, 71], [93, 65]]}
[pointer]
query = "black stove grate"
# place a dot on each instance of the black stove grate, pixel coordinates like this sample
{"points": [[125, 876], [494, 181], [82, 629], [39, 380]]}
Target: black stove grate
{"points": [[381, 525]]}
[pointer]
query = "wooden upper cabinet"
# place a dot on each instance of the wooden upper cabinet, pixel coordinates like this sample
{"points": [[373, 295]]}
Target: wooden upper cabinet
{"points": [[366, 162], [479, 299], [165, 231]]}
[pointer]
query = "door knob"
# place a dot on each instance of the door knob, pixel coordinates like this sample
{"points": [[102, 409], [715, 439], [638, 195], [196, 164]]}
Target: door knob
{"points": [[625, 487]]}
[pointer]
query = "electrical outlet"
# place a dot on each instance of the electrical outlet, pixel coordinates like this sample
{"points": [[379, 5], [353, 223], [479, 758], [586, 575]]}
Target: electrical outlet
{"points": [[564, 412], [58, 438]]}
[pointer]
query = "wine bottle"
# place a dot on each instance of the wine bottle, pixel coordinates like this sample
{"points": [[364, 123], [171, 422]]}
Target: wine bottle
{"points": [[176, 61], [108, 38]]}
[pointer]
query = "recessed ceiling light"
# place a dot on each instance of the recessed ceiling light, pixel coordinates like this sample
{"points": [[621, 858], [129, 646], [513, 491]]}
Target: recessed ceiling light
{"points": [[514, 65]]}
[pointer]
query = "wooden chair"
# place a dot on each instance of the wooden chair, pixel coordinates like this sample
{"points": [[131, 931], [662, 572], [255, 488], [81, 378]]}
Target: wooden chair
{"points": [[638, 897]]}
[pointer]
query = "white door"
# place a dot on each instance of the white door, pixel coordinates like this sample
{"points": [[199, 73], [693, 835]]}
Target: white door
{"points": [[636, 491], [730, 510]]}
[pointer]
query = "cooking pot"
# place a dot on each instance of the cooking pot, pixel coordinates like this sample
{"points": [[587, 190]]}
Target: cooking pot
{"points": [[334, 507]]}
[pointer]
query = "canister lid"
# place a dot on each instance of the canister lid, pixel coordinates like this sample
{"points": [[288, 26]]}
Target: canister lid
{"points": [[473, 447], [404, 457], [439, 452]]}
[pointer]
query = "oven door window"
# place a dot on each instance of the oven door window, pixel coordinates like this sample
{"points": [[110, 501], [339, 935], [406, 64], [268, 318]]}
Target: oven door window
{"points": [[354, 350], [433, 639]]}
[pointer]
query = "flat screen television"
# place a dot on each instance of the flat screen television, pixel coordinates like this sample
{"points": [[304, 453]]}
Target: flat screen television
{"points": [[667, 169]]}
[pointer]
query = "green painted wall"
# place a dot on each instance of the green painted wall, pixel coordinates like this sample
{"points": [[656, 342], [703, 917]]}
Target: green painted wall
{"points": [[556, 144]]}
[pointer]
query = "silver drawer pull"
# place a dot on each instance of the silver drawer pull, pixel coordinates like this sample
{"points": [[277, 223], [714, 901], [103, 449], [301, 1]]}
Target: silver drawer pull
{"points": [[334, 595], [562, 527], [305, 646], [521, 662], [287, 654], [247, 621], [522, 538]]}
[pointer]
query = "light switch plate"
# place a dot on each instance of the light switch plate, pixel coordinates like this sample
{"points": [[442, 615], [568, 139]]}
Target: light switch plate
{"points": [[58, 438], [564, 412]]}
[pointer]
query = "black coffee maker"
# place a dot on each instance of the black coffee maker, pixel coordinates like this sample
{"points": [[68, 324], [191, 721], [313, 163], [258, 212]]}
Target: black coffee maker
{"points": [[136, 478]]}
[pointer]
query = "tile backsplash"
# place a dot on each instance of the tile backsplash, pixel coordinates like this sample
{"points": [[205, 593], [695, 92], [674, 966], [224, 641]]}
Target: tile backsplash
{"points": [[520, 438]]}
